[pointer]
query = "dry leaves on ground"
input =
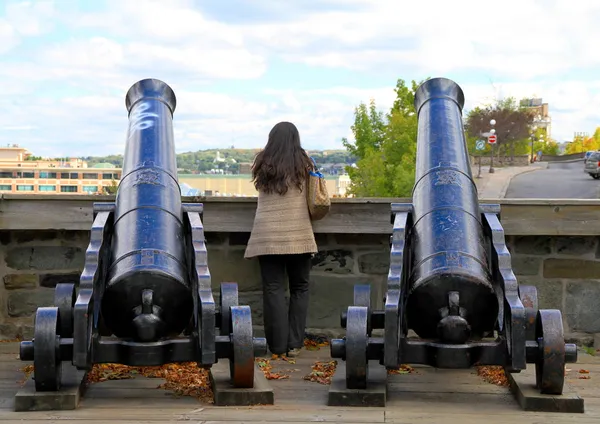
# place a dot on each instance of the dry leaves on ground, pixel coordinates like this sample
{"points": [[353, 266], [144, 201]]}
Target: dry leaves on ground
{"points": [[267, 369], [493, 375], [184, 379], [10, 340], [322, 372], [27, 370], [585, 375], [315, 342], [403, 369]]}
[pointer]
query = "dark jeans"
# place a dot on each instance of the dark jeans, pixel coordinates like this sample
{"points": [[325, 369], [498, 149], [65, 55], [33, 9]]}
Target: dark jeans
{"points": [[284, 328]]}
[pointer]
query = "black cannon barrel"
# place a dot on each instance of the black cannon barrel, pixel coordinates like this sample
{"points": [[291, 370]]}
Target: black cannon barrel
{"points": [[450, 296], [147, 294]]}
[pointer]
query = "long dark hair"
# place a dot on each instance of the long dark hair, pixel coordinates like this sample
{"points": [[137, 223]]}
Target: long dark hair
{"points": [[283, 163]]}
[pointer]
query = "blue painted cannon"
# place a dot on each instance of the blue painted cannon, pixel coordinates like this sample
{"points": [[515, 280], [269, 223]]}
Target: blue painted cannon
{"points": [[145, 295], [450, 278]]}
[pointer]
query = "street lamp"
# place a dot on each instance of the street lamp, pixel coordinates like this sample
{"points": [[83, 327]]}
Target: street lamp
{"points": [[492, 131], [533, 129]]}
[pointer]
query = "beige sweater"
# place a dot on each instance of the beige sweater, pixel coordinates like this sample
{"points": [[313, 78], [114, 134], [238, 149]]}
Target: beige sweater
{"points": [[281, 225]]}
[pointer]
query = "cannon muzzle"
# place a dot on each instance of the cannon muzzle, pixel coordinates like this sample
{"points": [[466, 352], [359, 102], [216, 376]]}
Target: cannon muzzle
{"points": [[450, 291], [147, 293]]}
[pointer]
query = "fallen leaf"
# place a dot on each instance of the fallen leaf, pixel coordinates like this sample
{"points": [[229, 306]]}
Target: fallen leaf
{"points": [[403, 369], [493, 375], [322, 372], [266, 367], [10, 340], [315, 342], [584, 377], [184, 379], [582, 371]]}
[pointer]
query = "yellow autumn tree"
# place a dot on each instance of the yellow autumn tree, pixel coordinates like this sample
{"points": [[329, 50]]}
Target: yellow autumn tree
{"points": [[582, 144]]}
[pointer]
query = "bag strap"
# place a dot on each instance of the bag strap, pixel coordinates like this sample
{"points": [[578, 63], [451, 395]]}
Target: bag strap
{"points": [[314, 172]]}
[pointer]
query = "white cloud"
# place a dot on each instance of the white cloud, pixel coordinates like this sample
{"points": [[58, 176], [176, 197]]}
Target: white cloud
{"points": [[65, 71]]}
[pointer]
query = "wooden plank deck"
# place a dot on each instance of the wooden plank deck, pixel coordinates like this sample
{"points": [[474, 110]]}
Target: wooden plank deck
{"points": [[427, 396]]}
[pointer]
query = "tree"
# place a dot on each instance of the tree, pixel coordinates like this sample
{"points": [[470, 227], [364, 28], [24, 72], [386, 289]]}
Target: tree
{"points": [[512, 125], [112, 187], [385, 146], [584, 144]]}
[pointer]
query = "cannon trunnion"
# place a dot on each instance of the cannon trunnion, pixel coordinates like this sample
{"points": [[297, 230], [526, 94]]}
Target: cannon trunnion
{"points": [[145, 295], [450, 278]]}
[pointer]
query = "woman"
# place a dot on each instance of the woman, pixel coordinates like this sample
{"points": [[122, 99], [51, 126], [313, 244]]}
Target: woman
{"points": [[282, 237]]}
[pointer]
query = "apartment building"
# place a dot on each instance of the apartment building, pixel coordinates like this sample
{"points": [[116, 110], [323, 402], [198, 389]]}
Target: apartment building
{"points": [[20, 175]]}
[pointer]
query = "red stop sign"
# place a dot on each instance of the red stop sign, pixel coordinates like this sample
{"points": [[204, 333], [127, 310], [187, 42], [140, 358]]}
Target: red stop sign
{"points": [[492, 139]]}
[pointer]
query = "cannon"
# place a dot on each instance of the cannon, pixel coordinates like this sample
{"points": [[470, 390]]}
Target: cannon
{"points": [[450, 280], [144, 297]]}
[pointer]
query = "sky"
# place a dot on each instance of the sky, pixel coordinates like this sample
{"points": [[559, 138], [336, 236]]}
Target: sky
{"points": [[240, 66]]}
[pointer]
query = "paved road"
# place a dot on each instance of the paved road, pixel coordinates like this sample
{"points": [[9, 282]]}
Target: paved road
{"points": [[558, 181]]}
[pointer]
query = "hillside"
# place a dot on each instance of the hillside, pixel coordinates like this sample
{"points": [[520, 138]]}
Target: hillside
{"points": [[204, 160]]}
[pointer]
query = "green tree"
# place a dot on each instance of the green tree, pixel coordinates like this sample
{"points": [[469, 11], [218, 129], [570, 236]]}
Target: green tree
{"points": [[385, 146], [512, 125], [112, 187]]}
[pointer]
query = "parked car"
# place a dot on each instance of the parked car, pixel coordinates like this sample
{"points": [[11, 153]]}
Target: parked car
{"points": [[587, 155], [592, 165]]}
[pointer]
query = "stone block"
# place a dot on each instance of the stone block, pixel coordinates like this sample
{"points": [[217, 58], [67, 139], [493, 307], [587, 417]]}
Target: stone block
{"points": [[20, 281], [581, 306], [571, 268], [230, 266], [526, 265], [374, 263], [522, 385], [331, 295], [67, 398], [374, 395], [9, 331], [532, 245], [51, 280], [45, 257], [363, 239], [25, 303], [227, 395], [576, 246], [550, 292], [337, 261]]}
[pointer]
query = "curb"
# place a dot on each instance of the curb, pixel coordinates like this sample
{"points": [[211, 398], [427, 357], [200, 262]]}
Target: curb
{"points": [[504, 188]]}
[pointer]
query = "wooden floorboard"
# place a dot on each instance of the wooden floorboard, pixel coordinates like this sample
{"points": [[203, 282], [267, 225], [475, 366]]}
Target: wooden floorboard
{"points": [[424, 396]]}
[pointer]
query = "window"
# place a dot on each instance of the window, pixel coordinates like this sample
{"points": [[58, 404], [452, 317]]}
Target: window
{"points": [[25, 174], [64, 175], [24, 188], [90, 189], [46, 174], [6, 174], [107, 176], [90, 176], [74, 175], [5, 187], [46, 188], [68, 189]]}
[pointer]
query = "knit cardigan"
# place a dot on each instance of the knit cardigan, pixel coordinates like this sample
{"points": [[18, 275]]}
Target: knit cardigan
{"points": [[281, 225]]}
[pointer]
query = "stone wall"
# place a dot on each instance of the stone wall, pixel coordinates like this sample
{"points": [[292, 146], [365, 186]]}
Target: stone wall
{"points": [[518, 160], [566, 271]]}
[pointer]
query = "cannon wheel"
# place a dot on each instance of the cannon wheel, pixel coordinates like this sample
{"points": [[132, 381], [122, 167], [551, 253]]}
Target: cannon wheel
{"points": [[241, 362], [356, 347], [362, 297], [550, 364], [64, 300], [47, 365], [228, 298], [529, 298]]}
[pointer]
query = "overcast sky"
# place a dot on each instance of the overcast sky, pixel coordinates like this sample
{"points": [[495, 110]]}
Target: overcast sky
{"points": [[239, 66]]}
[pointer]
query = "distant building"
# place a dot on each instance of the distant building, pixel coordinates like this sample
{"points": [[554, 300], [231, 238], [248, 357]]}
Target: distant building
{"points": [[71, 176], [541, 111]]}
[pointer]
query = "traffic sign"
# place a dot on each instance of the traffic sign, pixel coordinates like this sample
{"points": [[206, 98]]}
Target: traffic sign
{"points": [[480, 145], [492, 139]]}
